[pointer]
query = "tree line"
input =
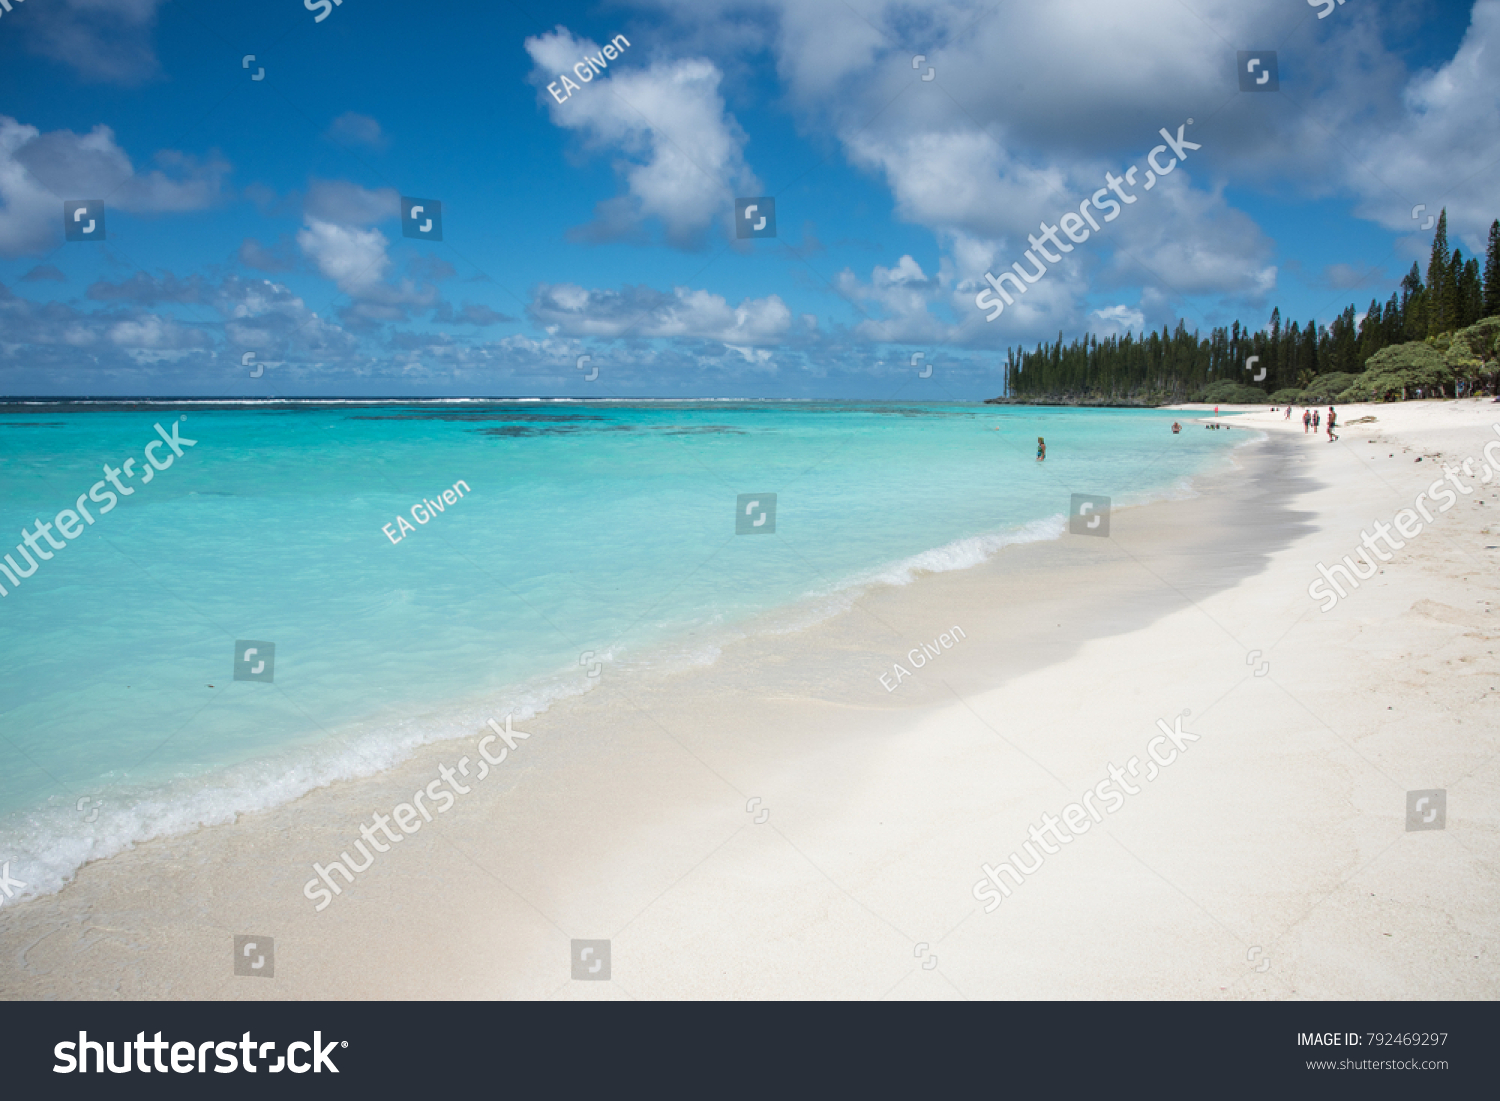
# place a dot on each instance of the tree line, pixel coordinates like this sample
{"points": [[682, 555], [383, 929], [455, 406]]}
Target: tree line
{"points": [[1177, 365]]}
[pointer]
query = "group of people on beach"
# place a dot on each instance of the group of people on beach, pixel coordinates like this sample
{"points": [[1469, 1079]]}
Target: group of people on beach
{"points": [[1311, 419]]}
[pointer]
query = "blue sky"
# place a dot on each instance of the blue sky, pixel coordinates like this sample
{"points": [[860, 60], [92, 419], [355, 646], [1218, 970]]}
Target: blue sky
{"points": [[264, 216]]}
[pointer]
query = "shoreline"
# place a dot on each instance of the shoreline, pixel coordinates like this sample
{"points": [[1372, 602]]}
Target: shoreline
{"points": [[625, 814], [154, 810]]}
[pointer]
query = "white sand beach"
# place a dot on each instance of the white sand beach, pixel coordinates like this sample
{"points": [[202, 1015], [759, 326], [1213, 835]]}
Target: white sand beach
{"points": [[1270, 860]]}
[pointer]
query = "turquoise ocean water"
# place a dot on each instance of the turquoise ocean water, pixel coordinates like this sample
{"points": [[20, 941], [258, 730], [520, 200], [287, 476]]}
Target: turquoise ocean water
{"points": [[586, 527]]}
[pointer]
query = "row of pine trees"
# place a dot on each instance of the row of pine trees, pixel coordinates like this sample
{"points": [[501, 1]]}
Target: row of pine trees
{"points": [[1173, 365]]}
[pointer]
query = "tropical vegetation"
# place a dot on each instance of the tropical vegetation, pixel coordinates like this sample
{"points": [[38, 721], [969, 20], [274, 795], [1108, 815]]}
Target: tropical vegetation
{"points": [[1434, 337]]}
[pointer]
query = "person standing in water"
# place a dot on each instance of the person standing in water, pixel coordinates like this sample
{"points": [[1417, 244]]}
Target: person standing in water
{"points": [[1041, 450], [1176, 428]]}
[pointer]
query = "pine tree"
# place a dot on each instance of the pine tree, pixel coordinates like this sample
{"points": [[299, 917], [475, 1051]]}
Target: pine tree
{"points": [[1438, 297], [1272, 363], [1492, 272], [1371, 332], [1392, 327], [1344, 341], [1413, 305], [1453, 293], [1175, 364], [1470, 294]]}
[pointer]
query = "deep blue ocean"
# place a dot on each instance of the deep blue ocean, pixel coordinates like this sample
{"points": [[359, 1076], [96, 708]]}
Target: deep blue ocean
{"points": [[601, 529]]}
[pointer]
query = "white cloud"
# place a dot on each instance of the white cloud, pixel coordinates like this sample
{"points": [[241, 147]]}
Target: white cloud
{"points": [[150, 331], [643, 312], [1193, 243], [29, 214], [680, 152], [38, 171], [1440, 149], [355, 259], [357, 262], [347, 204], [271, 319], [960, 180], [901, 295], [1032, 104], [1119, 319], [974, 193]]}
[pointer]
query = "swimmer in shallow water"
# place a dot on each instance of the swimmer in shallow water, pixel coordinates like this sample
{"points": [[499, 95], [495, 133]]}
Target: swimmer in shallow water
{"points": [[1041, 450]]}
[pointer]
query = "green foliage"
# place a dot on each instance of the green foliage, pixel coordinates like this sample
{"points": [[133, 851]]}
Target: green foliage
{"points": [[1325, 387], [1441, 294], [1413, 306], [1311, 362], [1228, 392], [1470, 293], [1492, 272], [1416, 356], [1392, 372], [1475, 351], [1290, 396]]}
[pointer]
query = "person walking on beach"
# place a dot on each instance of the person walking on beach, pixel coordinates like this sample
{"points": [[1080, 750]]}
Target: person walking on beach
{"points": [[1306, 420], [1041, 450], [1288, 412], [1332, 416], [1317, 419]]}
